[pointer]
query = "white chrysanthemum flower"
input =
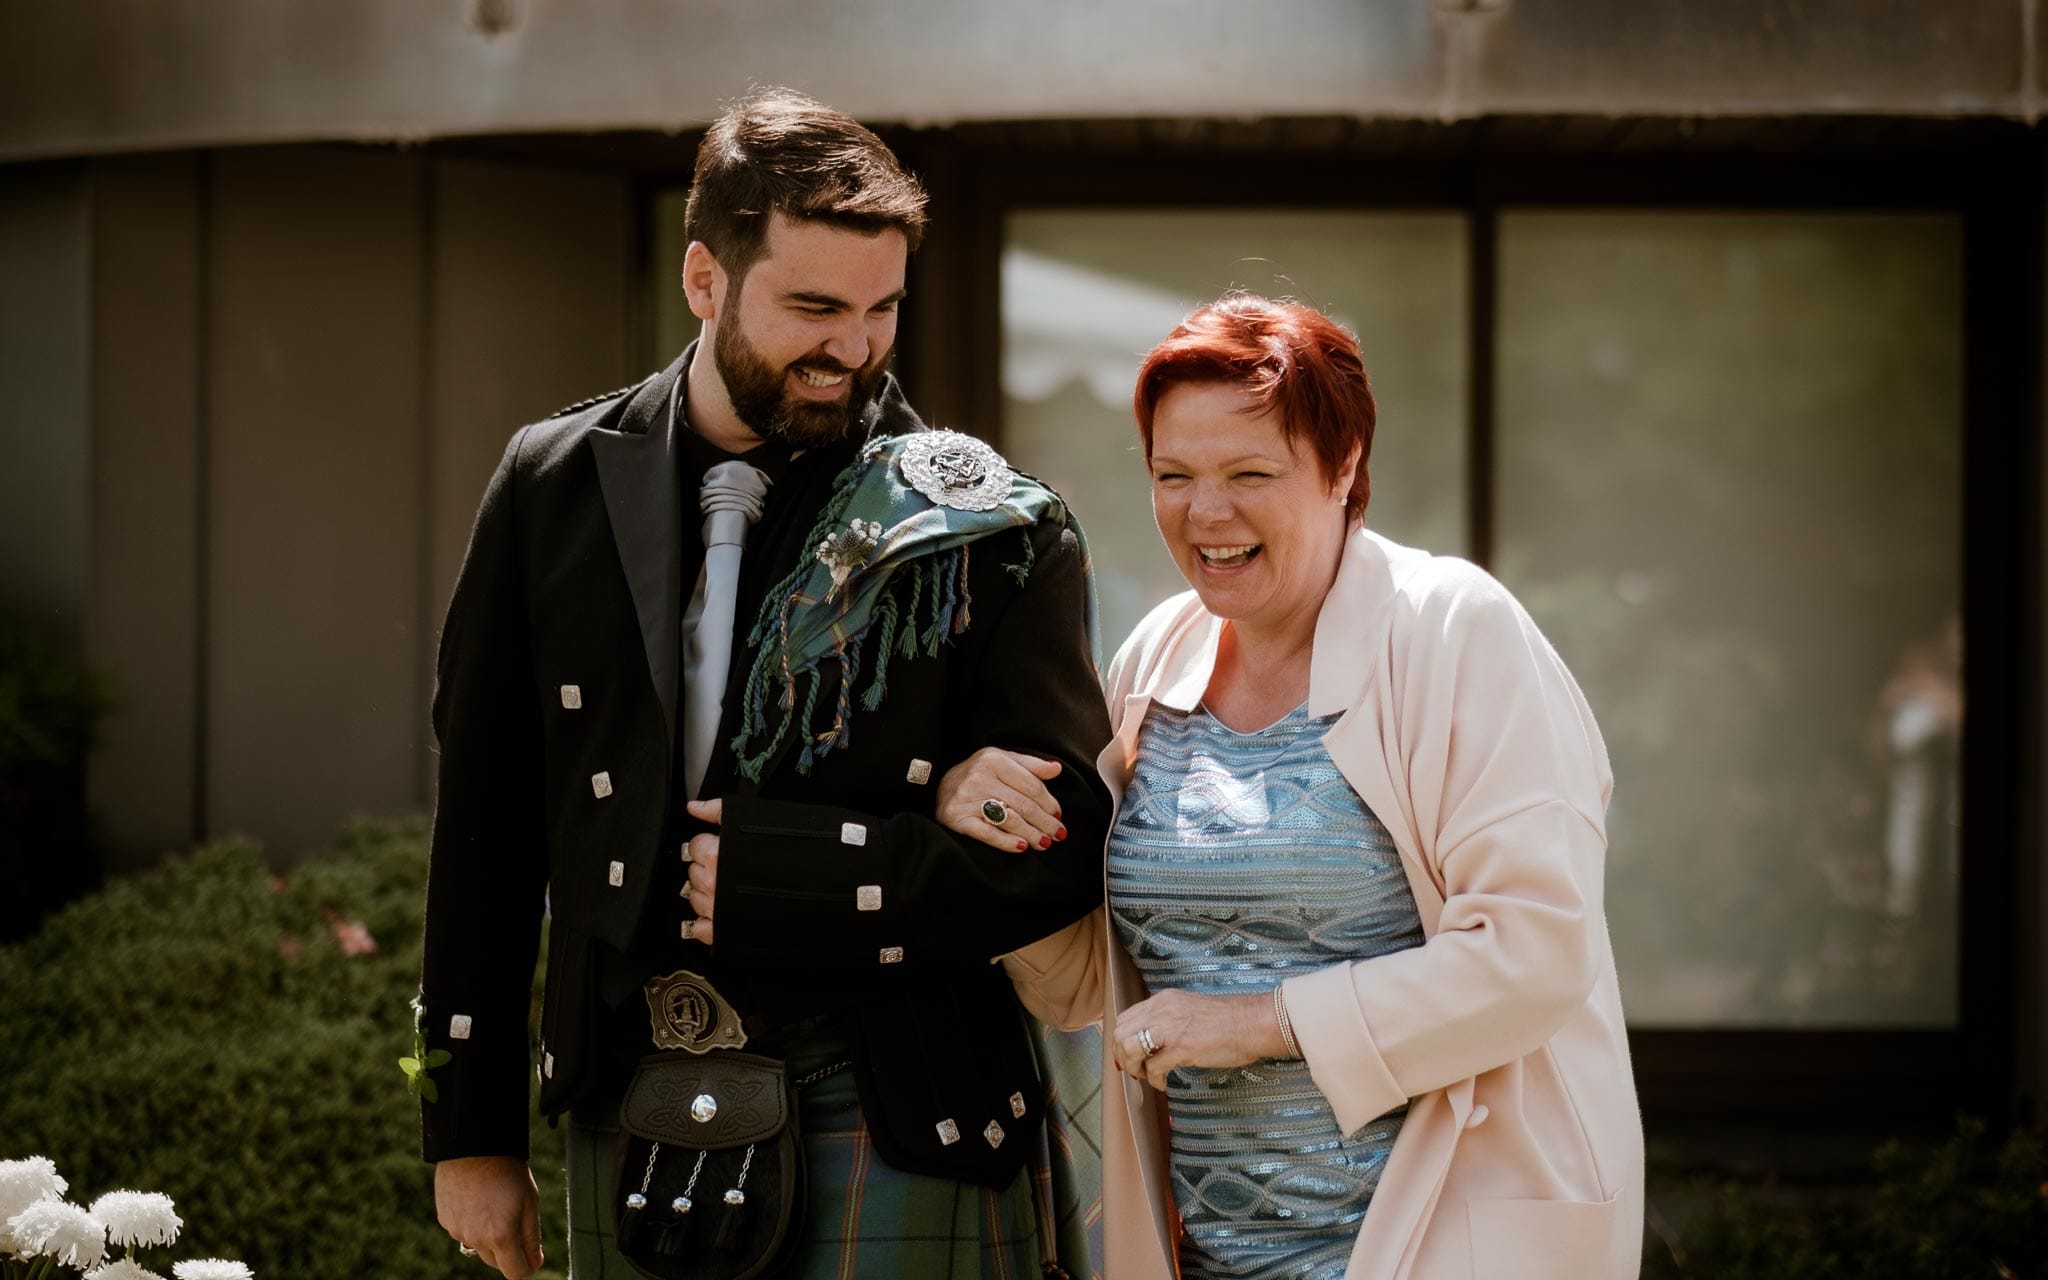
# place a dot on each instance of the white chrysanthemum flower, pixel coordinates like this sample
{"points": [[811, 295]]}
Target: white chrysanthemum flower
{"points": [[23, 1182], [122, 1270], [211, 1269], [136, 1218], [55, 1229]]}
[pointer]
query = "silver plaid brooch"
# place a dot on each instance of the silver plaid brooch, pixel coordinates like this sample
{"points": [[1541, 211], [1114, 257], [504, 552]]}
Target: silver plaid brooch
{"points": [[955, 470], [847, 550]]}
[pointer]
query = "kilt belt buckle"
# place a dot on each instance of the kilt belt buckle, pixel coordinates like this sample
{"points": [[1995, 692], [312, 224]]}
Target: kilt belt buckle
{"points": [[685, 1011]]}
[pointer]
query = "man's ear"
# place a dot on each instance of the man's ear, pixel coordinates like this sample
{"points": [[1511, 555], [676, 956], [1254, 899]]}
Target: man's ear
{"points": [[703, 281]]}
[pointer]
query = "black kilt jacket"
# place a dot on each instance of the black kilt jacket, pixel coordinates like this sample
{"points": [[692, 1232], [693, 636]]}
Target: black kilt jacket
{"points": [[555, 710]]}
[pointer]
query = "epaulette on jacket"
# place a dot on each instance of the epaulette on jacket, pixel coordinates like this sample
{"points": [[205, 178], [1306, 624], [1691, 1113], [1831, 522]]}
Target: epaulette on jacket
{"points": [[580, 405]]}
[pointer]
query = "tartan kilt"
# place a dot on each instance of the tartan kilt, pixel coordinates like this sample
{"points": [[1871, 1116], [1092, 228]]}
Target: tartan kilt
{"points": [[865, 1218]]}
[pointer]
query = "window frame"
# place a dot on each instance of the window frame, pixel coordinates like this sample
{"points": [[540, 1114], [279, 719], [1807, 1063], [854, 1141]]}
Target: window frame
{"points": [[1986, 175]]}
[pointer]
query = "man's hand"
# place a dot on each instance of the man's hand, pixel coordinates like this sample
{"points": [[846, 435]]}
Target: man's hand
{"points": [[702, 855], [490, 1204]]}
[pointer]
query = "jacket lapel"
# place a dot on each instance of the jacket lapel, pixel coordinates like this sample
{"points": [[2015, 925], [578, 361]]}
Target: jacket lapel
{"points": [[636, 469]]}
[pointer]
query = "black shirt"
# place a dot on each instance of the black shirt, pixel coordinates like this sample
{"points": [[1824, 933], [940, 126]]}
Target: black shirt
{"points": [[799, 488]]}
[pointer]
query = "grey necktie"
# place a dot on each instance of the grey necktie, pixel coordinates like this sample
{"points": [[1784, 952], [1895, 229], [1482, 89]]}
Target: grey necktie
{"points": [[731, 502]]}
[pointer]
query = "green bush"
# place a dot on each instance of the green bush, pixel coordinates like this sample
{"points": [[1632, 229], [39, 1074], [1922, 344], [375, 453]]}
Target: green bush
{"points": [[1969, 1209], [200, 1030]]}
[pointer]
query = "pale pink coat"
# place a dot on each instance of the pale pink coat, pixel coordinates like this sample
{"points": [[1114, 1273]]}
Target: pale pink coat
{"points": [[1522, 1154]]}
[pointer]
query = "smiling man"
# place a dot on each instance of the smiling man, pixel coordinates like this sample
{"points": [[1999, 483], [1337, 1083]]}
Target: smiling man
{"points": [[715, 639]]}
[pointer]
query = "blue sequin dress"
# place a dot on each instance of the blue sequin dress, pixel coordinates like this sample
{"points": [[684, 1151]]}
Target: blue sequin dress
{"points": [[1239, 859]]}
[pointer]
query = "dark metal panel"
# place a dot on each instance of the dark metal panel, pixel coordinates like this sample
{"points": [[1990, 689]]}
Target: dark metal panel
{"points": [[1884, 1079], [142, 601], [46, 434], [2001, 598], [313, 565], [934, 361], [2033, 842]]}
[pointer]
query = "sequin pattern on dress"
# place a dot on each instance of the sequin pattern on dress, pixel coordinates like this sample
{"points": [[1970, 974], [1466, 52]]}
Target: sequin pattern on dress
{"points": [[1239, 860]]}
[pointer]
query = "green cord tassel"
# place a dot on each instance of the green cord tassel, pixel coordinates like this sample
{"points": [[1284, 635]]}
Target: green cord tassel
{"points": [[1022, 570], [936, 572], [916, 576], [879, 685], [966, 596], [804, 761]]}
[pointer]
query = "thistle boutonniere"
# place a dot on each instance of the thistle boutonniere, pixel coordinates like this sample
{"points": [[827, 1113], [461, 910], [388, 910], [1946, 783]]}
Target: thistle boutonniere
{"points": [[422, 1060], [847, 550]]}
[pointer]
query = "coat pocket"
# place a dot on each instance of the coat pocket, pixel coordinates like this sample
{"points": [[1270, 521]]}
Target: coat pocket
{"points": [[1541, 1239]]}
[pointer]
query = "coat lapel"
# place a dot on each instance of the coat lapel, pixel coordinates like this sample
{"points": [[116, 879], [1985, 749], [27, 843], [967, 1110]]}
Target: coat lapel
{"points": [[636, 469]]}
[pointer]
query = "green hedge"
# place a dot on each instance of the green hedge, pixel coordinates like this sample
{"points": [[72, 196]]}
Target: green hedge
{"points": [[1970, 1208], [199, 1030]]}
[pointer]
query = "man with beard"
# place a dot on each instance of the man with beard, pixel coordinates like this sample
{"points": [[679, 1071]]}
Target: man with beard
{"points": [[715, 640]]}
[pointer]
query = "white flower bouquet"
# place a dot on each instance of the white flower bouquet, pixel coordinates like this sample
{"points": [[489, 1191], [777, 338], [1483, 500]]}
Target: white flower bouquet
{"points": [[45, 1237]]}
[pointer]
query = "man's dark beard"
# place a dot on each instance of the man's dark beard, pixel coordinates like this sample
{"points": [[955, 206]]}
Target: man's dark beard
{"points": [[762, 401]]}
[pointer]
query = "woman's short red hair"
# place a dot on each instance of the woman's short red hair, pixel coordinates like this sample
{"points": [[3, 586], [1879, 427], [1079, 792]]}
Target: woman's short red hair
{"points": [[1292, 359]]}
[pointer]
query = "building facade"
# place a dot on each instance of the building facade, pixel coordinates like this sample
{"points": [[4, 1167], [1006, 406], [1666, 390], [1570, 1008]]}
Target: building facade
{"points": [[1714, 329]]}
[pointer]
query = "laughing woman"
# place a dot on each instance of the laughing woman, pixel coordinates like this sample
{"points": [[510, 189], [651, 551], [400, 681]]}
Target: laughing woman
{"points": [[1354, 966]]}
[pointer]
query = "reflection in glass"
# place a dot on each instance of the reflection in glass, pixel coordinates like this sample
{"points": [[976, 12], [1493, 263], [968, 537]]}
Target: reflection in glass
{"points": [[1086, 293], [1730, 476]]}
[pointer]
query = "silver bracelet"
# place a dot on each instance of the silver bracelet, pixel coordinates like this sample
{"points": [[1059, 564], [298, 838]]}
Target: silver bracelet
{"points": [[1286, 1025]]}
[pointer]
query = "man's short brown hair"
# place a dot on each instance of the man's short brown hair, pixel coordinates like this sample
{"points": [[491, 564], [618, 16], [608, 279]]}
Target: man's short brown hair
{"points": [[778, 151]]}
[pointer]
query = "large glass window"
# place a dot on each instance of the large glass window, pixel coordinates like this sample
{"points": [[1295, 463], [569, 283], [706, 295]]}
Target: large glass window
{"points": [[1085, 293], [1727, 477], [1730, 490]]}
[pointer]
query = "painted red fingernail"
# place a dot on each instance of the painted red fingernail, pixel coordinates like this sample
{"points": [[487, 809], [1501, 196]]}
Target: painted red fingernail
{"points": [[1061, 834], [1021, 846]]}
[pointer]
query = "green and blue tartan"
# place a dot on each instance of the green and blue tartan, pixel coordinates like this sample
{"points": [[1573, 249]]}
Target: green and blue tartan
{"points": [[867, 1219], [909, 592]]}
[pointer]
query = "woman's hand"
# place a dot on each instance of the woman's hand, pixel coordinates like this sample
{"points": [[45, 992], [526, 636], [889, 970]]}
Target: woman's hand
{"points": [[1031, 817], [1196, 1031]]}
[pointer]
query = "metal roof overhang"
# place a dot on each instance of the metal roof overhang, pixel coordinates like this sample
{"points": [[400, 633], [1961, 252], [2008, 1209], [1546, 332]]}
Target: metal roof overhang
{"points": [[105, 76]]}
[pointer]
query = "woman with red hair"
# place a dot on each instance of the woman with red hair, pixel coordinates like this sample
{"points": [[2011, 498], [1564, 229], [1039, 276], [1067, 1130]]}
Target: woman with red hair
{"points": [[1353, 965]]}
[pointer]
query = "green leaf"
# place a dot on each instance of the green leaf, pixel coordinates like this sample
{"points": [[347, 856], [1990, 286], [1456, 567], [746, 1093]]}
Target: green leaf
{"points": [[440, 1058], [411, 1066], [428, 1091]]}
